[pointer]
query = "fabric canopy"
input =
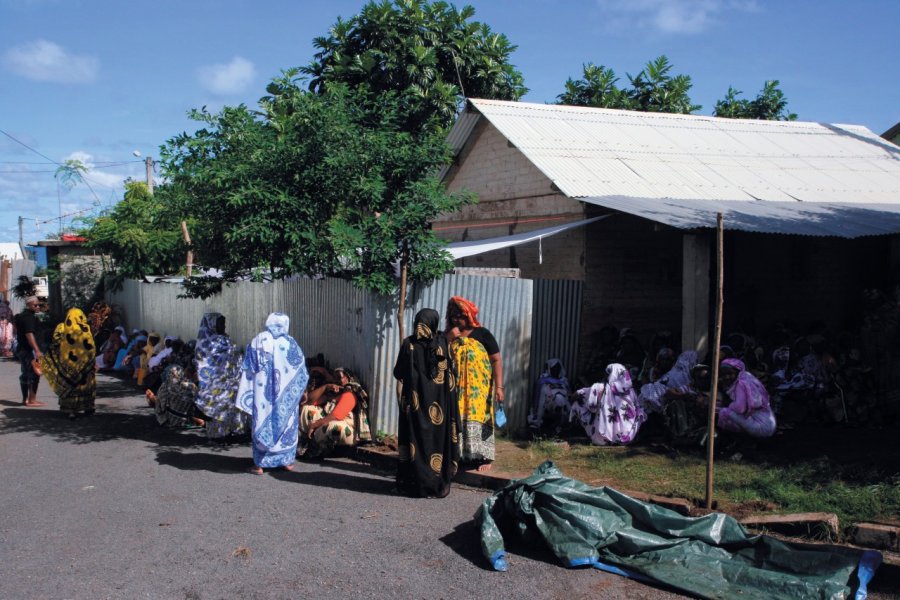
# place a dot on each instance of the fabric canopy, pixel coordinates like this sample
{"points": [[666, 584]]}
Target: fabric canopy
{"points": [[464, 249]]}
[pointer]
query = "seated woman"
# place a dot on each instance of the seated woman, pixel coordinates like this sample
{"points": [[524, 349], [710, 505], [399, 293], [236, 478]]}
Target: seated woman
{"points": [[127, 358], [334, 414], [609, 412], [675, 382], [749, 411], [106, 356], [550, 408], [174, 402]]}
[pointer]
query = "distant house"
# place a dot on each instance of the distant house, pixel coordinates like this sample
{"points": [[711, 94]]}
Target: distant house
{"points": [[893, 134], [80, 272], [811, 212]]}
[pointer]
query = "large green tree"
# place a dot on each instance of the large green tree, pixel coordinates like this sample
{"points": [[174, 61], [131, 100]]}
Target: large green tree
{"points": [[140, 235], [770, 104], [313, 184], [653, 89], [429, 54]]}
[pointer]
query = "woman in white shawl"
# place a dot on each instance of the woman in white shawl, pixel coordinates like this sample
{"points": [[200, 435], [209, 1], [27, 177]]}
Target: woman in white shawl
{"points": [[676, 382], [273, 383], [609, 412]]}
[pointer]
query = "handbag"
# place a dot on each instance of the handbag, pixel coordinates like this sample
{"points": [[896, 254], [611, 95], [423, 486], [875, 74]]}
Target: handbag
{"points": [[36, 367]]}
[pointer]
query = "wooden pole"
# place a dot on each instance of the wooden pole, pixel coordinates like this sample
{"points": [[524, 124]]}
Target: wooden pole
{"points": [[189, 261], [717, 341], [401, 305]]}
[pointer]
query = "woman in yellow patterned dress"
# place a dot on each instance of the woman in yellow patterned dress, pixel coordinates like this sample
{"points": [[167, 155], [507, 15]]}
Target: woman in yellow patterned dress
{"points": [[480, 385], [69, 364]]}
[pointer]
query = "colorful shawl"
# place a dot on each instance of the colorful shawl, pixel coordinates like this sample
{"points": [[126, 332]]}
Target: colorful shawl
{"points": [[476, 410], [428, 429], [609, 412], [69, 363], [6, 329], [218, 375], [274, 378], [747, 393]]}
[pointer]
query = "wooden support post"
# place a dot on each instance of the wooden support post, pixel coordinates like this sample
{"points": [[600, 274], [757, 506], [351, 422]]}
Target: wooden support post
{"points": [[717, 341], [695, 293], [189, 260]]}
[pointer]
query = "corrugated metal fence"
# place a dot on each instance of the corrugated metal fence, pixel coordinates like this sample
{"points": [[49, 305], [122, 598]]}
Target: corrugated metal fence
{"points": [[358, 330]]}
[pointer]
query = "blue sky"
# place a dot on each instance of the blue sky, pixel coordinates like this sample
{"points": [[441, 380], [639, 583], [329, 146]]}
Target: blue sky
{"points": [[98, 79]]}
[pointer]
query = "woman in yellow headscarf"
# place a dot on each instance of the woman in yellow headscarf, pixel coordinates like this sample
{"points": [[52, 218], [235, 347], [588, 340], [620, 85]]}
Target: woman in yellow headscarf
{"points": [[69, 364]]}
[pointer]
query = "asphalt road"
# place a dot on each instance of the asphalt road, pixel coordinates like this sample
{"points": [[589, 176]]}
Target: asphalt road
{"points": [[112, 506]]}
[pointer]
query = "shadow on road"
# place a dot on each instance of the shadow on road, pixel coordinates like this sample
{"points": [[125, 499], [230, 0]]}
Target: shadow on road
{"points": [[101, 427], [196, 461], [365, 485], [460, 541]]}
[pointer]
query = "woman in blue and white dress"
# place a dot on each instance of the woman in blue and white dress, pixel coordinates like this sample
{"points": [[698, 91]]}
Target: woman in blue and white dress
{"points": [[274, 379]]}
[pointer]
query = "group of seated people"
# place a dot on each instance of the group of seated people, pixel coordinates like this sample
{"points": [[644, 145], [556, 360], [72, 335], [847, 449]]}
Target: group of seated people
{"points": [[195, 384], [757, 389]]}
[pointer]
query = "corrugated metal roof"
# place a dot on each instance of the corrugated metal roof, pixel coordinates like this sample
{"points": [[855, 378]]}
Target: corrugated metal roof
{"points": [[639, 160], [847, 220]]}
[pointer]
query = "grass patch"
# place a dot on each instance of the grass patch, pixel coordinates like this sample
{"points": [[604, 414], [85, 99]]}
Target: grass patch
{"points": [[854, 491]]}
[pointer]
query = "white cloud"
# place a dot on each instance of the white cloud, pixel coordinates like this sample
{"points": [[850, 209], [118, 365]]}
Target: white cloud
{"points": [[229, 78], [670, 16], [45, 61]]}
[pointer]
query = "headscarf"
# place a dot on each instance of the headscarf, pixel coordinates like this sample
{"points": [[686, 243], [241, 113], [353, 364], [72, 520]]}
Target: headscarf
{"points": [[468, 309], [274, 379], [208, 326], [426, 333], [361, 430], [69, 364], [747, 393]]}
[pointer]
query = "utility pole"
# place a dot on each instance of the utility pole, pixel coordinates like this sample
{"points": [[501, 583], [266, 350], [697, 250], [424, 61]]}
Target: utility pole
{"points": [[149, 163], [22, 238]]}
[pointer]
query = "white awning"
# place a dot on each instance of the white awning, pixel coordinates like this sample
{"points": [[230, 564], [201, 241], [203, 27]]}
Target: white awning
{"points": [[463, 249]]}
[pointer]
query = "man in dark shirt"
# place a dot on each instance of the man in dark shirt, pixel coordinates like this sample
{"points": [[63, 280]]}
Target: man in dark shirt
{"points": [[28, 350]]}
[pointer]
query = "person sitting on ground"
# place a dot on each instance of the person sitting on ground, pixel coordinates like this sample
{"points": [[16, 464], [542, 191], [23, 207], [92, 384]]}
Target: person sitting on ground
{"points": [[158, 363], [126, 355], [335, 415], [675, 382], [273, 378], [609, 412], [174, 402], [106, 356], [749, 411], [550, 407]]}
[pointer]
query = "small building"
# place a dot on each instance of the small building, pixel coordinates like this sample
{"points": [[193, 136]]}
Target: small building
{"points": [[80, 272], [811, 213]]}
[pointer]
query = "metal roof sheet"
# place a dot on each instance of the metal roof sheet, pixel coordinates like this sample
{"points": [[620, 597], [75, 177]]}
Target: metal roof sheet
{"points": [[846, 220], [690, 164]]}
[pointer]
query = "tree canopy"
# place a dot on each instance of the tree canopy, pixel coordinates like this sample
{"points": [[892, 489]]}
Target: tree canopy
{"points": [[429, 54], [141, 235], [770, 104], [653, 89], [311, 183]]}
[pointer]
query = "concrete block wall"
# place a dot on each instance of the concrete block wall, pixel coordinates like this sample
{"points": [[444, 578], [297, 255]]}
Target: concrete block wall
{"points": [[514, 197]]}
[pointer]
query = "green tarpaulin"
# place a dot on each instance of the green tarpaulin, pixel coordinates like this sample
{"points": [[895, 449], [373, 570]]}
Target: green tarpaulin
{"points": [[711, 556]]}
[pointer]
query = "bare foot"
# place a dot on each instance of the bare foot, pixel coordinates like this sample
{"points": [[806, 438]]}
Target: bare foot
{"points": [[31, 403], [484, 467], [255, 470], [288, 467], [198, 421], [151, 398]]}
